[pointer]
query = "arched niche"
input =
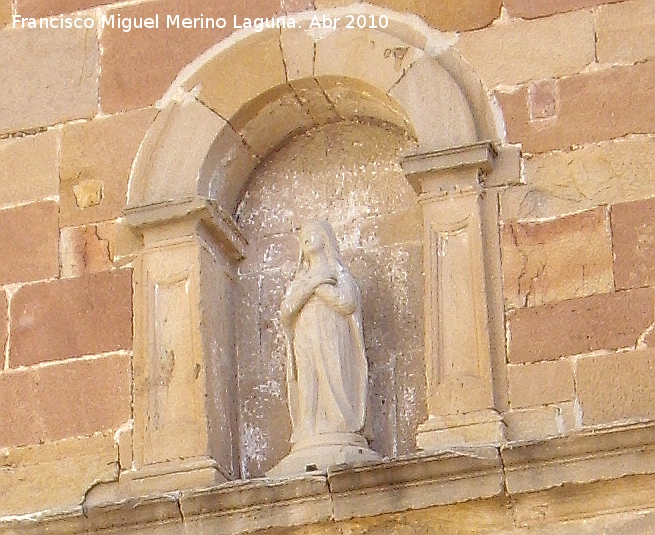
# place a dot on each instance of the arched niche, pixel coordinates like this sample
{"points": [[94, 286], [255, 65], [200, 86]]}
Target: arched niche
{"points": [[225, 113]]}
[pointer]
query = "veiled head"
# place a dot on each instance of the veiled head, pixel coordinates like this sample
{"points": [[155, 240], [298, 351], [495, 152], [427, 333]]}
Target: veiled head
{"points": [[318, 236]]}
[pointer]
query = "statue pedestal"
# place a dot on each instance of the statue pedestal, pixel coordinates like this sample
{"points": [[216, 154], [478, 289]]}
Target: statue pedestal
{"points": [[321, 452]]}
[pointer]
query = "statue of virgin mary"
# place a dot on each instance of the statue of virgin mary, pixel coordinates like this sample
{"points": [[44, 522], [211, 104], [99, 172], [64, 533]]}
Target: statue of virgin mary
{"points": [[327, 373]]}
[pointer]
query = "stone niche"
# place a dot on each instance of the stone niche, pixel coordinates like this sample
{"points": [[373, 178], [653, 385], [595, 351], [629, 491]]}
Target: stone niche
{"points": [[348, 173], [389, 136]]}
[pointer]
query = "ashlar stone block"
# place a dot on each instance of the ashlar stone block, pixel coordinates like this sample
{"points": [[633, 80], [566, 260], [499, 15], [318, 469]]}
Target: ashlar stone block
{"points": [[29, 170], [59, 83], [523, 50]]}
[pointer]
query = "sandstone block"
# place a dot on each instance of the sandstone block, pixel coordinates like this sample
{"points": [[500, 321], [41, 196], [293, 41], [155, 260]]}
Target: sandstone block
{"points": [[608, 321], [633, 238], [5, 12], [4, 321], [351, 53], [54, 476], [96, 159], [540, 384], [530, 50], [298, 51], [531, 424], [592, 107], [625, 32], [74, 398], [530, 9], [29, 237], [616, 386], [564, 182], [556, 260], [138, 66], [447, 15], [241, 73], [29, 170], [59, 83], [86, 249], [81, 316], [46, 8]]}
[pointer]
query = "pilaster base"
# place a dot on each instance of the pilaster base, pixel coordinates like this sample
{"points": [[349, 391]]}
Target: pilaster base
{"points": [[158, 479], [472, 430], [316, 455]]}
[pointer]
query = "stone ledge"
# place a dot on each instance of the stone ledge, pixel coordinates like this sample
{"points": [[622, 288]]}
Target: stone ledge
{"points": [[518, 470], [219, 222]]}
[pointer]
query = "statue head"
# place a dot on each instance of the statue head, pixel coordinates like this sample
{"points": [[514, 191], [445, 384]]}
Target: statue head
{"points": [[317, 236]]}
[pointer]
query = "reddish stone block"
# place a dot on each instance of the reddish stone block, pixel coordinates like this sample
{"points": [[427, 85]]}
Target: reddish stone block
{"points": [[555, 260], [592, 107], [86, 249], [46, 8], [633, 239], [618, 386], [608, 321], [138, 66], [19, 418], [530, 9], [71, 317], [29, 238], [65, 400]]}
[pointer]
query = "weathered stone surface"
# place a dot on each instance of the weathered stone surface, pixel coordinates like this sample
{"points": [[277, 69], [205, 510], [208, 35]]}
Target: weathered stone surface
{"points": [[86, 249], [592, 107], [298, 52], [29, 168], [556, 260], [633, 239], [448, 15], [241, 73], [608, 321], [625, 32], [138, 66], [277, 121], [5, 12], [349, 53], [530, 50], [59, 83], [96, 158], [69, 399], [45, 8], [293, 6], [532, 424], [28, 243], [618, 386], [564, 182], [426, 85], [4, 319], [540, 384], [543, 99], [27, 474], [81, 316], [530, 9]]}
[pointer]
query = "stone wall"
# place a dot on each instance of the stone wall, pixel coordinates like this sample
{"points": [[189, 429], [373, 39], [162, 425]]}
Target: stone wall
{"points": [[575, 82]]}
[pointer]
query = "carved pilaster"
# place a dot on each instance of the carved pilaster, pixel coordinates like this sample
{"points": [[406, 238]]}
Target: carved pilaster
{"points": [[461, 401], [184, 366]]}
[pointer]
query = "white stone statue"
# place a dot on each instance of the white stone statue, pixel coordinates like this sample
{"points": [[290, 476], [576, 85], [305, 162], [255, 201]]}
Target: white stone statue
{"points": [[326, 366]]}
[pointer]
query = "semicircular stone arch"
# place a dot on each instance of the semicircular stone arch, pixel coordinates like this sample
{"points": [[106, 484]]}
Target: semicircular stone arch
{"points": [[226, 113]]}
